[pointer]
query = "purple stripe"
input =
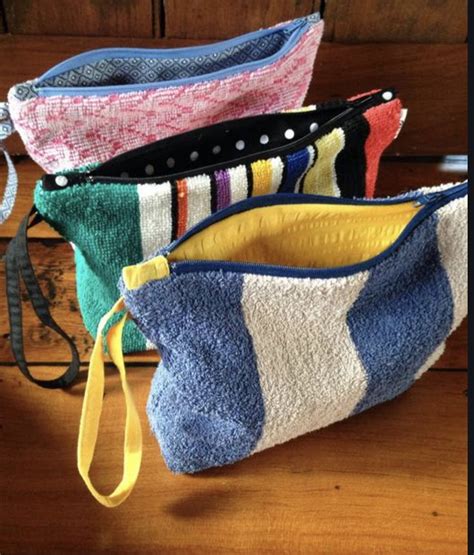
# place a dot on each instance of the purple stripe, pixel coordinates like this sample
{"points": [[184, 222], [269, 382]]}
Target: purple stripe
{"points": [[223, 188]]}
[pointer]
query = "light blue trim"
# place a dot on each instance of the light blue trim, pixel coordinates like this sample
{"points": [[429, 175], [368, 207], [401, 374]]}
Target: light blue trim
{"points": [[298, 25], [431, 203], [11, 188]]}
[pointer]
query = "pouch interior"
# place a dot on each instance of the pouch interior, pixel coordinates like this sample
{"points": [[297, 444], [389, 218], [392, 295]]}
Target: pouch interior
{"points": [[300, 235], [221, 143], [142, 69]]}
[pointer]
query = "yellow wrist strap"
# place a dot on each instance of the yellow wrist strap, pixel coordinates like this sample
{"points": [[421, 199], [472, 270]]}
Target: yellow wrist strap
{"points": [[92, 409]]}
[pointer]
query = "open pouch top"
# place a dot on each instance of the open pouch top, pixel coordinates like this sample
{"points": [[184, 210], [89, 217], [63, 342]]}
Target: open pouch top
{"points": [[351, 125], [111, 100], [158, 191], [119, 70], [280, 315], [107, 101]]}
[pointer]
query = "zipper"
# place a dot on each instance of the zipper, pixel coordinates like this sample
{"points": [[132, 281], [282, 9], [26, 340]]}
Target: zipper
{"points": [[430, 202], [440, 196], [54, 181], [297, 28]]}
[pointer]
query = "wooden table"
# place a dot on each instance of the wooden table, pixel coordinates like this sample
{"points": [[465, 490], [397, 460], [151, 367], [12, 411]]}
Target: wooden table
{"points": [[391, 480]]}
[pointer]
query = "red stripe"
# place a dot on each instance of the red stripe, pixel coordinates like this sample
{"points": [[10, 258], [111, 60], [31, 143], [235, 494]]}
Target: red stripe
{"points": [[384, 122], [182, 188]]}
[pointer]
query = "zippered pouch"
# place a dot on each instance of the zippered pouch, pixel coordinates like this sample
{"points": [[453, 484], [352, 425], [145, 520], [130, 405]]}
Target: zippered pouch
{"points": [[108, 101], [280, 315], [122, 211]]}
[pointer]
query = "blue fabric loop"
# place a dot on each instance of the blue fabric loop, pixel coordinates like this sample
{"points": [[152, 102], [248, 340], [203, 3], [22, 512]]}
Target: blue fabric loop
{"points": [[6, 205], [6, 123]]}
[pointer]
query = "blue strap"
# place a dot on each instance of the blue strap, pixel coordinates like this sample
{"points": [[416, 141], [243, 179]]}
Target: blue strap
{"points": [[6, 129]]}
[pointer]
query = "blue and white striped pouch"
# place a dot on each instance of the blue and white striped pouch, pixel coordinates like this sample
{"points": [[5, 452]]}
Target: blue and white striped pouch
{"points": [[283, 314]]}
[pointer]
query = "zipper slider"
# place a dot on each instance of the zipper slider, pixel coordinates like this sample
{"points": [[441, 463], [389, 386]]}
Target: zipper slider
{"points": [[427, 198], [452, 192]]}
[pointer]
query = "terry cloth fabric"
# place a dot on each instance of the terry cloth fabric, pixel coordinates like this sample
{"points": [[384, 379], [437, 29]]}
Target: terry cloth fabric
{"points": [[109, 101], [113, 224], [254, 353], [252, 360]]}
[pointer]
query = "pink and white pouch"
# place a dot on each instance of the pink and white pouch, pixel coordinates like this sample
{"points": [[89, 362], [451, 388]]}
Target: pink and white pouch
{"points": [[101, 103]]}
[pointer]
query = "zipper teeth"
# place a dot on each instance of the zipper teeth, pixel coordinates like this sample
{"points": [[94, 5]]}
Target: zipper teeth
{"points": [[353, 110], [432, 202]]}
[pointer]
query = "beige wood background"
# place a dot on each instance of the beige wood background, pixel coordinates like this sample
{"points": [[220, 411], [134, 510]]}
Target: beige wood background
{"points": [[389, 481]]}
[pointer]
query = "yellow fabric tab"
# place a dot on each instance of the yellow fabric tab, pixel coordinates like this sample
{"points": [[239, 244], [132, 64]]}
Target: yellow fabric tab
{"points": [[262, 177], [139, 274], [300, 235], [92, 409], [321, 178]]}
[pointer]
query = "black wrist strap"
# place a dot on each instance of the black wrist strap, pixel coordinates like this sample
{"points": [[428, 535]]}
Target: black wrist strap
{"points": [[18, 266]]}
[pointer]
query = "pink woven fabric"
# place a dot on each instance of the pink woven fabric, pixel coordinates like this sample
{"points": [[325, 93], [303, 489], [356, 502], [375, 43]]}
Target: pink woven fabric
{"points": [[62, 132]]}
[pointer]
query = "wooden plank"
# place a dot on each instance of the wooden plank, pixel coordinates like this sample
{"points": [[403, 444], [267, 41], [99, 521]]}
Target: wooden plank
{"points": [[396, 175], [215, 19], [127, 18], [423, 88], [422, 74], [443, 21], [54, 264], [393, 476], [2, 19]]}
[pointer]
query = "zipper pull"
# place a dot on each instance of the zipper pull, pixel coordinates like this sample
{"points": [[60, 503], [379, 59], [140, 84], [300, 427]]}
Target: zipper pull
{"points": [[429, 198]]}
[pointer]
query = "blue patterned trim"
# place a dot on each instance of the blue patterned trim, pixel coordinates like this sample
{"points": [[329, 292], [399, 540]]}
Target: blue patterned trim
{"points": [[11, 188], [6, 123]]}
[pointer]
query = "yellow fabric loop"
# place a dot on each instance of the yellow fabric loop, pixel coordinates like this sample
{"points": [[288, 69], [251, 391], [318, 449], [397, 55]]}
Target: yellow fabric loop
{"points": [[92, 409]]}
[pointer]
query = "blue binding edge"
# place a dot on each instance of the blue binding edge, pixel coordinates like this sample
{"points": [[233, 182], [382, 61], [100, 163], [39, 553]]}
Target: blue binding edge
{"points": [[299, 25]]}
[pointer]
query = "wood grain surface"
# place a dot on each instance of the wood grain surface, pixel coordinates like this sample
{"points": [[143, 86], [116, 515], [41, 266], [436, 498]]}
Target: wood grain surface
{"points": [[395, 21], [123, 18], [430, 79], [215, 19], [390, 480]]}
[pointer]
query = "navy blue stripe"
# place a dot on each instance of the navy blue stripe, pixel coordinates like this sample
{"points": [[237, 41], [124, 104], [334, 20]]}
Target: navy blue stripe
{"points": [[296, 164]]}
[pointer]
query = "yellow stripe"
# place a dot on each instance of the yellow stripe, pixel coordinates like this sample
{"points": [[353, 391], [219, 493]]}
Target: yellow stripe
{"points": [[262, 177], [321, 178]]}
